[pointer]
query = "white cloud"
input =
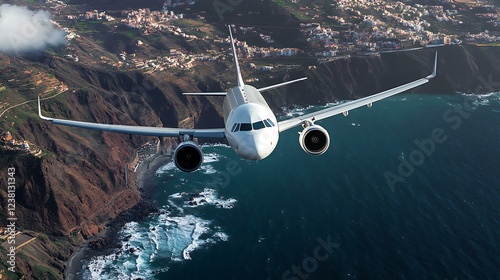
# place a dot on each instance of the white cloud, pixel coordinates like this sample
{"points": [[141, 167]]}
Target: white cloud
{"points": [[23, 30]]}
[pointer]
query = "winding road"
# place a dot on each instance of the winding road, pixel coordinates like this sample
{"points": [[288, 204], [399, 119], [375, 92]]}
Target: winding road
{"points": [[34, 100]]}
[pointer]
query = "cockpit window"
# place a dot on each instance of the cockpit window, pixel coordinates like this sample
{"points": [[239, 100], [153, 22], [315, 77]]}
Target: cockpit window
{"points": [[252, 126], [267, 123], [271, 122], [234, 127], [245, 127], [258, 125]]}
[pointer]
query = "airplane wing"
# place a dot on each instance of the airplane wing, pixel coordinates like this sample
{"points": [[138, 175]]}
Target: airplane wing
{"points": [[138, 130], [346, 107]]}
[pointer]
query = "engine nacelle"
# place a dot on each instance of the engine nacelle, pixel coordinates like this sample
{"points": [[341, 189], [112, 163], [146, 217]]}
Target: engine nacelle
{"points": [[188, 156], [314, 140]]}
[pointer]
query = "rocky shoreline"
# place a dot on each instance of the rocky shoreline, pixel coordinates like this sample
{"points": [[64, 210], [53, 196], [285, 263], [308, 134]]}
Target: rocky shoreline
{"points": [[108, 240]]}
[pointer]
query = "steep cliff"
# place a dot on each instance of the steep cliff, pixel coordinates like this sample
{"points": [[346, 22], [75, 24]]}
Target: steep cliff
{"points": [[469, 69]]}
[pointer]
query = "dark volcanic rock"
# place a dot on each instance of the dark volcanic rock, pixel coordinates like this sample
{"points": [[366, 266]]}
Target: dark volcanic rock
{"points": [[460, 69], [137, 213]]}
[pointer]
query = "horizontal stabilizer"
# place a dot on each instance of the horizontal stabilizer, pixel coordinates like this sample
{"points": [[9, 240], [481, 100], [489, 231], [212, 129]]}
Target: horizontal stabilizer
{"points": [[282, 84], [206, 93]]}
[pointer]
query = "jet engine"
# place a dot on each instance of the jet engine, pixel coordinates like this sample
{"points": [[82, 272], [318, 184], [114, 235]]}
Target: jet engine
{"points": [[314, 140], [188, 156]]}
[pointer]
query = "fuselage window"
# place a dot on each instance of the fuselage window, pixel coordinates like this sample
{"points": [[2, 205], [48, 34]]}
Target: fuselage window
{"points": [[246, 127], [258, 125]]}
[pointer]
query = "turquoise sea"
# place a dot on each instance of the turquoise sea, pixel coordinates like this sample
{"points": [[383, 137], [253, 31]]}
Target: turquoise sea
{"points": [[409, 189]]}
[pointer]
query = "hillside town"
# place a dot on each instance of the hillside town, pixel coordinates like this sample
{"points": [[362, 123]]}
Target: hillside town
{"points": [[8, 143], [354, 27], [392, 25]]}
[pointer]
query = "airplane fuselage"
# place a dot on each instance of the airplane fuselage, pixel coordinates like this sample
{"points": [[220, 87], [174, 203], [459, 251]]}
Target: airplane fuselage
{"points": [[250, 125]]}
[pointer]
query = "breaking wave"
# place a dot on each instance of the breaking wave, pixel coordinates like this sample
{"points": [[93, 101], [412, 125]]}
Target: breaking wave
{"points": [[169, 236]]}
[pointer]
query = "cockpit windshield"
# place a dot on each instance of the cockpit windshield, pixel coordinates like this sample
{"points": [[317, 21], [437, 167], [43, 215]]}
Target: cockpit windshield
{"points": [[252, 126], [245, 127], [258, 125]]}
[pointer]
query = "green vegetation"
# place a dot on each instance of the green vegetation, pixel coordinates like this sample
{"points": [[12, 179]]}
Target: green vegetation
{"points": [[19, 115], [43, 237], [305, 15], [133, 34], [187, 23], [91, 27], [43, 272]]}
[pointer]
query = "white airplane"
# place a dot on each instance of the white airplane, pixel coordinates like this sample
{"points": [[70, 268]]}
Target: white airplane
{"points": [[250, 126]]}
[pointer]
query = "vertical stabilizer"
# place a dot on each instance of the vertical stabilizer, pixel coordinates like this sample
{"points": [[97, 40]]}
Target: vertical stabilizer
{"points": [[240, 79]]}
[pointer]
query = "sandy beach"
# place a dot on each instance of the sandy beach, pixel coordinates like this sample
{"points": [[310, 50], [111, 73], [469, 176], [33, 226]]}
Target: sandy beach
{"points": [[74, 265], [146, 173]]}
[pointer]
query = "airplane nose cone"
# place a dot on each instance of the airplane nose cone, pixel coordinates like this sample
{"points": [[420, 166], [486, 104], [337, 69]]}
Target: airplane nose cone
{"points": [[258, 147], [254, 151]]}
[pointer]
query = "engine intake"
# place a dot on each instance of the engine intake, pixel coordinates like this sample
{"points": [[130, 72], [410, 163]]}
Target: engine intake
{"points": [[188, 156], [314, 140]]}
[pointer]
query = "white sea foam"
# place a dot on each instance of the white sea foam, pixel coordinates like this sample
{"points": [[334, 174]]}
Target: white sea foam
{"points": [[154, 236], [483, 99], [183, 235], [206, 197], [295, 111], [331, 104], [211, 157], [170, 236], [208, 169], [169, 167], [484, 95], [200, 228], [215, 145], [221, 236]]}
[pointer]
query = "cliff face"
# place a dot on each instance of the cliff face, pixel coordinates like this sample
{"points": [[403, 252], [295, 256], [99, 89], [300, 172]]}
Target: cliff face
{"points": [[460, 69], [80, 183]]}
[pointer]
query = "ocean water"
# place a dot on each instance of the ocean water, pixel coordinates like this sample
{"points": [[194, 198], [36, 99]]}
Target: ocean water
{"points": [[409, 189]]}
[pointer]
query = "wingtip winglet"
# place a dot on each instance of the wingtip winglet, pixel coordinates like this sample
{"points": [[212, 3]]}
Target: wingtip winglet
{"points": [[39, 108], [40, 111], [434, 72]]}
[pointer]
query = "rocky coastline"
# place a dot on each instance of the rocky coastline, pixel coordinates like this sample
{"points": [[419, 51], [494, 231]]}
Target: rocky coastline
{"points": [[108, 240]]}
